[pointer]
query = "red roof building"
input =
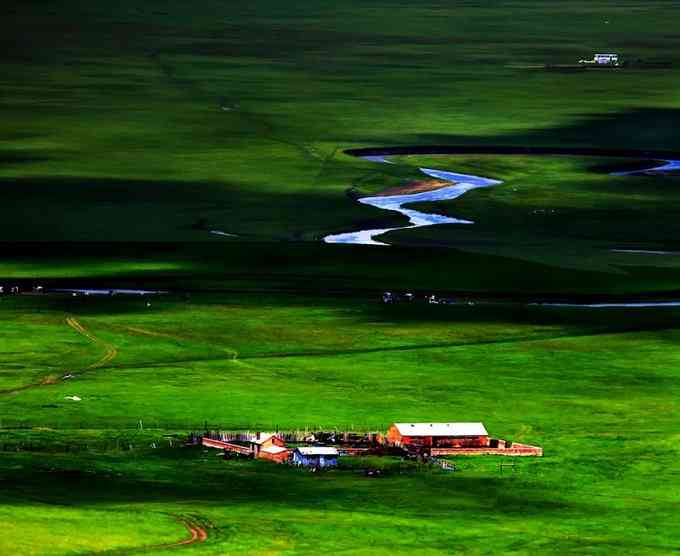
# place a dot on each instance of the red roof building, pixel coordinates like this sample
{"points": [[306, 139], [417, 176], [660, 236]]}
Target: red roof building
{"points": [[438, 435]]}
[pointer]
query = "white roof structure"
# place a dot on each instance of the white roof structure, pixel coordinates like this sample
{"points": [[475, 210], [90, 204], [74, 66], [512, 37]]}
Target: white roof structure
{"points": [[274, 449], [441, 429], [264, 436], [317, 450]]}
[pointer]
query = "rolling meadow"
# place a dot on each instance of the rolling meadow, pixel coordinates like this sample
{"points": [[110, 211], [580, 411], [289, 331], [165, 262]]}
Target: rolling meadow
{"points": [[130, 133], [597, 390]]}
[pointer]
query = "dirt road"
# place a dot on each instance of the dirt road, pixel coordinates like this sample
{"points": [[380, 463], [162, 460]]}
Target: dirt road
{"points": [[110, 352]]}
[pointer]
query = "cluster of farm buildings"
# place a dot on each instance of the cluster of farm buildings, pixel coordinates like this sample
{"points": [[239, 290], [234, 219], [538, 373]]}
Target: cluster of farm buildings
{"points": [[322, 449]]}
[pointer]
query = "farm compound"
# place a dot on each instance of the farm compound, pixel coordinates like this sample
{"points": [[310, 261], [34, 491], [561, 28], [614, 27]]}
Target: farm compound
{"points": [[321, 449]]}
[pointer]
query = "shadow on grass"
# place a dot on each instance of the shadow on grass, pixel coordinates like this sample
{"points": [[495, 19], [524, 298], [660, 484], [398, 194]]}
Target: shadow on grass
{"points": [[17, 157], [637, 129], [191, 474]]}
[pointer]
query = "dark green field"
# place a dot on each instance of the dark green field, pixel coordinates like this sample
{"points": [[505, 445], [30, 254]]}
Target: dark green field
{"points": [[129, 131], [159, 122]]}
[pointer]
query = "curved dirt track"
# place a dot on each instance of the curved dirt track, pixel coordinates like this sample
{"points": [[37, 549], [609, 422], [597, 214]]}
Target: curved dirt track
{"points": [[110, 353], [45, 381], [198, 533]]}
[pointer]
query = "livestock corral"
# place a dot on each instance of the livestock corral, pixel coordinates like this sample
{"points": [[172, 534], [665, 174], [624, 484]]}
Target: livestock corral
{"points": [[322, 448]]}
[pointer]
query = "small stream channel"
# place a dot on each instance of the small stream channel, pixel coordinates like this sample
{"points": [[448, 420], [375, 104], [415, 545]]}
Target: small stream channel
{"points": [[460, 184]]}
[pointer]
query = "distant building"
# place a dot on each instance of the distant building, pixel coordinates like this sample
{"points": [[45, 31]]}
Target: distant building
{"points": [[260, 445], [602, 60], [267, 445], [315, 456], [438, 435], [275, 453]]}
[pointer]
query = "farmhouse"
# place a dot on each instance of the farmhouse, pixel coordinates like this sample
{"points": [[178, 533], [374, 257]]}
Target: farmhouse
{"points": [[263, 441], [269, 446], [260, 445], [407, 439], [316, 456], [438, 435]]}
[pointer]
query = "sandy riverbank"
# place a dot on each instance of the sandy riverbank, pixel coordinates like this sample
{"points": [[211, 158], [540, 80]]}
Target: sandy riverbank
{"points": [[416, 186]]}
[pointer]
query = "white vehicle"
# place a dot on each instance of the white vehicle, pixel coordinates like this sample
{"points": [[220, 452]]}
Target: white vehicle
{"points": [[602, 60]]}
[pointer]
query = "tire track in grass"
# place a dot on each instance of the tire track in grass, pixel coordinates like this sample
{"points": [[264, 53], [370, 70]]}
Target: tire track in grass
{"points": [[244, 359], [110, 353], [110, 350], [44, 381], [197, 532], [233, 354], [152, 333], [196, 526], [440, 345]]}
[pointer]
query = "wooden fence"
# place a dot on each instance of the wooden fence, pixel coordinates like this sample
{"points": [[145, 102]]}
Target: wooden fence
{"points": [[227, 446], [515, 449], [340, 438]]}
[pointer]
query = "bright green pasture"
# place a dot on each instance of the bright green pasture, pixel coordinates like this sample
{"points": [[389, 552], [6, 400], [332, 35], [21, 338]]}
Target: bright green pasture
{"points": [[34, 529], [598, 390], [348, 361], [213, 348]]}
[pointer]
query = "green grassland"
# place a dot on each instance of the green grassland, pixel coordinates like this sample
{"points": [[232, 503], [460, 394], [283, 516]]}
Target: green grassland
{"points": [[598, 390], [130, 130], [159, 122], [560, 211]]}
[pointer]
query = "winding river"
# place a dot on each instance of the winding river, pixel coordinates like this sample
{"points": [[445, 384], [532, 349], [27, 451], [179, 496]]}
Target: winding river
{"points": [[460, 184]]}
